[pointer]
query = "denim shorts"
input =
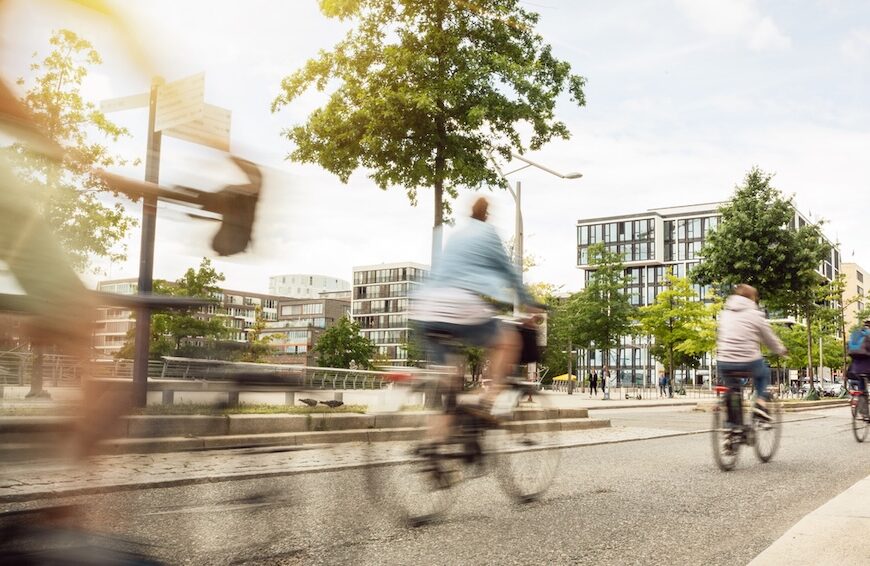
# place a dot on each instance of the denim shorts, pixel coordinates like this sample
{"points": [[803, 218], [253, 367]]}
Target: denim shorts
{"points": [[441, 337]]}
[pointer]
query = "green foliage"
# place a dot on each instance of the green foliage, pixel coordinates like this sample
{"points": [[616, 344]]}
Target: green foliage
{"points": [[259, 345], [66, 191], [342, 344], [602, 313], [682, 326], [754, 245], [475, 359], [186, 332], [426, 90]]}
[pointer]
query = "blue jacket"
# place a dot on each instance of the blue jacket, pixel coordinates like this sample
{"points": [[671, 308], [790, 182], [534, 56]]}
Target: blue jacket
{"points": [[474, 259]]}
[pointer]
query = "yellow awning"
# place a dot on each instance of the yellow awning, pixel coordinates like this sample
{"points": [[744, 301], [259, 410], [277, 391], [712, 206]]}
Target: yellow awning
{"points": [[564, 377]]}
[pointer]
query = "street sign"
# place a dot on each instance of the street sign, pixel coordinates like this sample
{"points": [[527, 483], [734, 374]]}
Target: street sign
{"points": [[212, 129], [180, 102], [125, 103]]}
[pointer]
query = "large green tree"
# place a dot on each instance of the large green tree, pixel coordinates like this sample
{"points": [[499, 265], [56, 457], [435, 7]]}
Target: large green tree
{"points": [[67, 191], [187, 332], [682, 326], [342, 343], [602, 314], [424, 91], [757, 242]]}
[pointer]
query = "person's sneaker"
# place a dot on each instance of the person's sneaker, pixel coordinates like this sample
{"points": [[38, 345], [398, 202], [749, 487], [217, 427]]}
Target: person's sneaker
{"points": [[761, 413]]}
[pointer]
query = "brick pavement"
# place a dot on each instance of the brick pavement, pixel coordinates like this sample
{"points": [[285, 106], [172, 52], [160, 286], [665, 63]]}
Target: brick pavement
{"points": [[37, 480]]}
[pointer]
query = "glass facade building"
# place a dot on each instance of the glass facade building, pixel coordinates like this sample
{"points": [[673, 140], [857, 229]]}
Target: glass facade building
{"points": [[380, 305], [653, 244]]}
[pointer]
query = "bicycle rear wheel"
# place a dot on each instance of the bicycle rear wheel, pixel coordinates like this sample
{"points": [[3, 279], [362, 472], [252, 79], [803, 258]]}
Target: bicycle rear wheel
{"points": [[525, 453], [860, 424], [724, 450], [768, 433], [412, 482]]}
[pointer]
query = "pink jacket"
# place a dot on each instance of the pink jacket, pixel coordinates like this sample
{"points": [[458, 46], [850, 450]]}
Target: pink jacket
{"points": [[742, 328]]}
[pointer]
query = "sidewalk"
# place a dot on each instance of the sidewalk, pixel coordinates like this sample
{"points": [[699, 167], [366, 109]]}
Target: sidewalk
{"points": [[585, 401], [834, 534], [40, 480]]}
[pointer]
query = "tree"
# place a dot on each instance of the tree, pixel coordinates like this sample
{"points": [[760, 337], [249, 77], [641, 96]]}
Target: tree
{"points": [[758, 243], [259, 345], [602, 313], [426, 91], [682, 326], [68, 190], [342, 344], [187, 332]]}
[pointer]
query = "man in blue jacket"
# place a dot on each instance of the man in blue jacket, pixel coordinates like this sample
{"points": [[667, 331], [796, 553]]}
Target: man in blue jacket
{"points": [[471, 273]]}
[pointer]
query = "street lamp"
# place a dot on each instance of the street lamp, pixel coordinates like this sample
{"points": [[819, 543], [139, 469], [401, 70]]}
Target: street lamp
{"points": [[517, 195], [518, 227]]}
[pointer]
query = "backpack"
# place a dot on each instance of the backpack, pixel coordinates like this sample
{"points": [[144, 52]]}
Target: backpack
{"points": [[859, 343]]}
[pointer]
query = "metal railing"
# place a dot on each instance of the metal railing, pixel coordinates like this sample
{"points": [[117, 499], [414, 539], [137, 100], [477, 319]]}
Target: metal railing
{"points": [[16, 368]]}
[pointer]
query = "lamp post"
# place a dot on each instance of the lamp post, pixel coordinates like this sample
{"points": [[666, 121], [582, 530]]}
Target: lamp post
{"points": [[517, 195], [518, 218]]}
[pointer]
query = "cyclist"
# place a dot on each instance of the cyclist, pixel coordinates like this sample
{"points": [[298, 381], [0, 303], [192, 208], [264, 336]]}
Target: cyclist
{"points": [[742, 327], [456, 303], [859, 351]]}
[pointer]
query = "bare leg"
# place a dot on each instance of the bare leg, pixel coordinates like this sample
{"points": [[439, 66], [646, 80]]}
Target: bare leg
{"points": [[503, 355]]}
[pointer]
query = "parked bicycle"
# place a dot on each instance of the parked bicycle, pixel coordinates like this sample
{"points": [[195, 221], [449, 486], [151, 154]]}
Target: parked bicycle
{"points": [[516, 449], [733, 428]]}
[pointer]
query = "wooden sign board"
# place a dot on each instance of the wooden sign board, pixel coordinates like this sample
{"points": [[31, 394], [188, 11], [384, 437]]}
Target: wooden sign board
{"points": [[180, 102], [125, 103], [212, 130]]}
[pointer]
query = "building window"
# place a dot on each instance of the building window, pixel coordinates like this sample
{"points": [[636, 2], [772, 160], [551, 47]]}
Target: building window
{"points": [[860, 276]]}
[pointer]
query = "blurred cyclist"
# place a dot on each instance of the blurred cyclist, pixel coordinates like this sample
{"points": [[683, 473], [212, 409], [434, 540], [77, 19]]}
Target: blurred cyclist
{"points": [[742, 327], [859, 352], [456, 302]]}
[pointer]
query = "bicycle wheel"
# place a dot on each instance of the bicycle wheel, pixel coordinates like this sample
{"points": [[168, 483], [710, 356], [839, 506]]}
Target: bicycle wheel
{"points": [[724, 450], [768, 433], [411, 481], [860, 424], [525, 454]]}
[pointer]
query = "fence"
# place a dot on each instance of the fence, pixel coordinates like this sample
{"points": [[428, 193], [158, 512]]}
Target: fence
{"points": [[16, 368]]}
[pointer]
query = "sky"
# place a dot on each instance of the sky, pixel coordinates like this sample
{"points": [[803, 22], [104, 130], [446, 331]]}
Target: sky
{"points": [[683, 98]]}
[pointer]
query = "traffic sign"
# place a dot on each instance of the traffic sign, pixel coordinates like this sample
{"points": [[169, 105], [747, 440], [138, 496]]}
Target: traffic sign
{"points": [[125, 103], [213, 129], [180, 102]]}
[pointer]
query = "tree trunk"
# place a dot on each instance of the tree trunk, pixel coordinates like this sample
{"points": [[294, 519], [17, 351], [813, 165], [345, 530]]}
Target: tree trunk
{"points": [[37, 373], [810, 376]]}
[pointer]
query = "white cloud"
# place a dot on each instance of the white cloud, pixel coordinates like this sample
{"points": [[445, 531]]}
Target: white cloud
{"points": [[856, 45], [739, 20]]}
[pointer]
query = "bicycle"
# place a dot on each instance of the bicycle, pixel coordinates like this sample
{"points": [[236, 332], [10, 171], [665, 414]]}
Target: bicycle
{"points": [[860, 412], [515, 449], [730, 432]]}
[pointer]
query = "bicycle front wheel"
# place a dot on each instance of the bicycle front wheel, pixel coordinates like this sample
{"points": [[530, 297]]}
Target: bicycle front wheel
{"points": [[724, 450], [767, 433], [524, 449], [860, 424]]}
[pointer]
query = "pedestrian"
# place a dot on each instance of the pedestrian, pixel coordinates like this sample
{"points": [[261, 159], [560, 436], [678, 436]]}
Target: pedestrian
{"points": [[593, 384], [662, 383]]}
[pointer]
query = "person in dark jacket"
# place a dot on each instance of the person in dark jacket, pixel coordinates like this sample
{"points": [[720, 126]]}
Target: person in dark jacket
{"points": [[593, 384]]}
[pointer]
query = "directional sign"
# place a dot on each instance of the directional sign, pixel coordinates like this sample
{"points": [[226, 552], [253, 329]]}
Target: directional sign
{"points": [[125, 103], [213, 129], [180, 102]]}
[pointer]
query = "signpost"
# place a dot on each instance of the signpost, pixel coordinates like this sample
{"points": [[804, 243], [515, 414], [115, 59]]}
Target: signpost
{"points": [[177, 109]]}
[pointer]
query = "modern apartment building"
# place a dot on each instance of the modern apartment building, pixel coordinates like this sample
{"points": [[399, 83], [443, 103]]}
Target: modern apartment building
{"points": [[380, 305], [113, 323], [238, 309], [856, 294], [652, 244], [299, 325], [305, 286]]}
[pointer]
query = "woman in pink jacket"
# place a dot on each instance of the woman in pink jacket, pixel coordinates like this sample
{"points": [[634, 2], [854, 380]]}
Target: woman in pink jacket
{"points": [[742, 328]]}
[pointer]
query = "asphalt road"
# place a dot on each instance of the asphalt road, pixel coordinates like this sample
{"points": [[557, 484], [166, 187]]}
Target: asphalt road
{"points": [[659, 501]]}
